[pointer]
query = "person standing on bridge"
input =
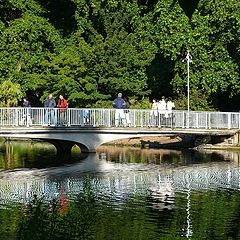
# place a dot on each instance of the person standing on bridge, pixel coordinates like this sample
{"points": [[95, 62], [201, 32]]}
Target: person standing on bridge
{"points": [[154, 113], [119, 104], [26, 117], [162, 107], [62, 106], [50, 104], [169, 113]]}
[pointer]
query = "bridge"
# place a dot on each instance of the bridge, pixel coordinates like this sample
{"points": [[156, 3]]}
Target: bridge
{"points": [[90, 128]]}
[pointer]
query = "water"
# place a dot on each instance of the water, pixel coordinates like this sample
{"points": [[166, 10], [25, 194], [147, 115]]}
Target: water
{"points": [[118, 193]]}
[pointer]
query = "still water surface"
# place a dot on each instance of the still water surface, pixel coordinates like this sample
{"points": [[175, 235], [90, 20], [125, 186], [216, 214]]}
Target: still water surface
{"points": [[118, 193]]}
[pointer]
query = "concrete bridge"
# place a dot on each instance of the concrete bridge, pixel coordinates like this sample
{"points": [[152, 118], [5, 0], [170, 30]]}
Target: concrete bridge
{"points": [[90, 138], [90, 128]]}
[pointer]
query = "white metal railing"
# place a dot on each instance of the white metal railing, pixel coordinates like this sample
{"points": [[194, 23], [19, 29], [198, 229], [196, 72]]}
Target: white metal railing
{"points": [[117, 118]]}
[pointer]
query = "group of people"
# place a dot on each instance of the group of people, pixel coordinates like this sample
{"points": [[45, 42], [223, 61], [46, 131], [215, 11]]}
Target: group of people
{"points": [[50, 118], [160, 114], [162, 111]]}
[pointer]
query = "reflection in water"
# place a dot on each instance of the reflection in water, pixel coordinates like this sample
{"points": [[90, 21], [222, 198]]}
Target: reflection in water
{"points": [[122, 193], [165, 156], [33, 154]]}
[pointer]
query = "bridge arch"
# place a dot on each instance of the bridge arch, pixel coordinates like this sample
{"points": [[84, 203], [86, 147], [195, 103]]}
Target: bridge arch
{"points": [[64, 148]]}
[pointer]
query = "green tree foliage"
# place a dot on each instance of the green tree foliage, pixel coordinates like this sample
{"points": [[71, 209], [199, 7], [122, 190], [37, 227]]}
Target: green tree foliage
{"points": [[10, 94], [94, 49]]}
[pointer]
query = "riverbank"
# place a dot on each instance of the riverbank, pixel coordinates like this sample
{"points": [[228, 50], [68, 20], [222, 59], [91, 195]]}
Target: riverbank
{"points": [[172, 142], [149, 142]]}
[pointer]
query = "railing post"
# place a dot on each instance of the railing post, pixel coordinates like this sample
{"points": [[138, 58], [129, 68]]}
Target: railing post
{"points": [[68, 117], [229, 120], [17, 120], [206, 124], [183, 118], [134, 118], [209, 120], [27, 117], [239, 120], [197, 125], [109, 117]]}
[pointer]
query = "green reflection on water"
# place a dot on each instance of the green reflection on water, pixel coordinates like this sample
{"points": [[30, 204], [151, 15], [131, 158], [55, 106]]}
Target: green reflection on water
{"points": [[60, 218], [21, 154], [213, 215], [208, 214], [31, 154]]}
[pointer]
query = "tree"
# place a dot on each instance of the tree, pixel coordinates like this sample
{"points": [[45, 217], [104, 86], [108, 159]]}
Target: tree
{"points": [[10, 94]]}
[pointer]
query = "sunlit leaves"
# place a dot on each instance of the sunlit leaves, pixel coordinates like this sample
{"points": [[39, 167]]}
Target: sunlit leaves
{"points": [[136, 47], [10, 93]]}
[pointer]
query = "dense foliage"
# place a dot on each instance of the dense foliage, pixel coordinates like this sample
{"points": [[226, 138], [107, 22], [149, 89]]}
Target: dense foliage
{"points": [[90, 50]]}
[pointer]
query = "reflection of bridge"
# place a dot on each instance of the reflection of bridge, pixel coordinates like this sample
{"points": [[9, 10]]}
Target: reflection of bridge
{"points": [[89, 128], [116, 181]]}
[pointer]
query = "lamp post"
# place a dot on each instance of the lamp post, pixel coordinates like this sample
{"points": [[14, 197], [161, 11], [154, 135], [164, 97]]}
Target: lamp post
{"points": [[188, 59]]}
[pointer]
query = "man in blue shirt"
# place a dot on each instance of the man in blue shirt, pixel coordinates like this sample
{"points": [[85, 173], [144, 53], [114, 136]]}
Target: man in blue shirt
{"points": [[119, 104]]}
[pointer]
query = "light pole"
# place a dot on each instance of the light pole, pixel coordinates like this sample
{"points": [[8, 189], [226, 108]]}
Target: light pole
{"points": [[188, 59]]}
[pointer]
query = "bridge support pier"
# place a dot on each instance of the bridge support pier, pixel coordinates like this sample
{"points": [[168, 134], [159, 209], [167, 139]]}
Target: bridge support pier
{"points": [[63, 149], [188, 141]]}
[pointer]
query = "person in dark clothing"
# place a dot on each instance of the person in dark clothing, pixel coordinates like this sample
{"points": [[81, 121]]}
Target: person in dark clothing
{"points": [[119, 104], [26, 114], [50, 104], [26, 103]]}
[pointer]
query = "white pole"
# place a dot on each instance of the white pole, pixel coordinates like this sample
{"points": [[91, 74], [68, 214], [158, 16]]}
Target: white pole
{"points": [[188, 90], [189, 59]]}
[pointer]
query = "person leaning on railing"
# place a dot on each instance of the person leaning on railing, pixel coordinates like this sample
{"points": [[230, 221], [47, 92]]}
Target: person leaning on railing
{"points": [[26, 118], [62, 106], [119, 104], [50, 104]]}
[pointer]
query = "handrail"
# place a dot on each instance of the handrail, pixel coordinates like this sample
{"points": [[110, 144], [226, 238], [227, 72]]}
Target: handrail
{"points": [[108, 117]]}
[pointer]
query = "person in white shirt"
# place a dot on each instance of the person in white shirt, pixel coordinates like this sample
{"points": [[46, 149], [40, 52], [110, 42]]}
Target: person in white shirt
{"points": [[154, 112], [162, 107]]}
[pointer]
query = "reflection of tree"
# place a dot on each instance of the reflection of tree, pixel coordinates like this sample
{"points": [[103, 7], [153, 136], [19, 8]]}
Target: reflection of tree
{"points": [[30, 154], [214, 215], [164, 156], [136, 155], [48, 221], [9, 156]]}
